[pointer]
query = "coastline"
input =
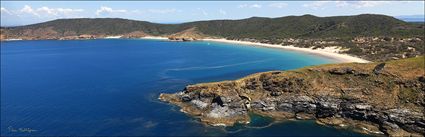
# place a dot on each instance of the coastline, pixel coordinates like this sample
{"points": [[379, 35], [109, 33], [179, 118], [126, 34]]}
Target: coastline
{"points": [[12, 39], [306, 99], [327, 52], [343, 58]]}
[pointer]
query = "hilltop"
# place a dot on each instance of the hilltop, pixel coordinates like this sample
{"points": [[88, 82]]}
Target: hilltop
{"points": [[306, 26], [373, 98]]}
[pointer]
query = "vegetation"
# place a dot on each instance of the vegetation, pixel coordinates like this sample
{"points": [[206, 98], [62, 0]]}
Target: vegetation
{"points": [[306, 26], [382, 97]]}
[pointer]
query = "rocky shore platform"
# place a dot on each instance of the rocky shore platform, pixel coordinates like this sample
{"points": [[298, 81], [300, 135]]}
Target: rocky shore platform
{"points": [[375, 98]]}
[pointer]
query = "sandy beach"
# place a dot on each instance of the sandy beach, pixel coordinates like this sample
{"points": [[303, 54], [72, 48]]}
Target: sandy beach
{"points": [[331, 52], [154, 37], [12, 39], [113, 37]]}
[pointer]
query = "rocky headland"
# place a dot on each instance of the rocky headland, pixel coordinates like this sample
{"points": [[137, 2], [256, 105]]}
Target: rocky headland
{"points": [[376, 98]]}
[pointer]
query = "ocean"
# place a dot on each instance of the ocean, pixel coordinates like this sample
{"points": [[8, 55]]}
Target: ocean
{"points": [[110, 87]]}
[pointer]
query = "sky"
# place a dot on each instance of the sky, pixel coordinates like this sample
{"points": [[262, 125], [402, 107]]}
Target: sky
{"points": [[15, 13]]}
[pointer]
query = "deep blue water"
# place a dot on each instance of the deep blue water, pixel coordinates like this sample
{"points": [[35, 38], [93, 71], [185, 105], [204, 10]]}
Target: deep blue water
{"points": [[110, 87]]}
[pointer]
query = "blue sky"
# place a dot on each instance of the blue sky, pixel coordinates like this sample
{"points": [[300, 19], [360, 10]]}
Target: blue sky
{"points": [[29, 12]]}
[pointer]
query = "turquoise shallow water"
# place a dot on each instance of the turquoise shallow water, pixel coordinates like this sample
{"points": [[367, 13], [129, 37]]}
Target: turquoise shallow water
{"points": [[110, 87]]}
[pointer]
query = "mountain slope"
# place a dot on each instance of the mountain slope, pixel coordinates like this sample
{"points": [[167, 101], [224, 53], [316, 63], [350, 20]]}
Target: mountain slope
{"points": [[308, 26], [99, 26], [255, 27]]}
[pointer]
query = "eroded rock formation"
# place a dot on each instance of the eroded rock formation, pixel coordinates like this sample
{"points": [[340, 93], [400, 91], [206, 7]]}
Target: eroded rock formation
{"points": [[390, 102]]}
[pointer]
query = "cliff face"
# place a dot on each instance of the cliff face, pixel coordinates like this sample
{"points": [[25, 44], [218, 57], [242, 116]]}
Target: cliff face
{"points": [[380, 98]]}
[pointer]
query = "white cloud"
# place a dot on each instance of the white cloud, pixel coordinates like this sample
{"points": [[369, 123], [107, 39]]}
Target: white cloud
{"points": [[316, 5], [104, 9], [255, 6], [364, 4], [45, 12], [250, 6], [354, 4], [5, 11], [68, 11], [341, 3], [278, 5], [222, 12], [27, 9], [61, 12]]}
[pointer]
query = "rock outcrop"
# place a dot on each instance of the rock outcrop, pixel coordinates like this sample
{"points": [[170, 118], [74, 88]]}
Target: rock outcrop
{"points": [[190, 34], [135, 34], [390, 102]]}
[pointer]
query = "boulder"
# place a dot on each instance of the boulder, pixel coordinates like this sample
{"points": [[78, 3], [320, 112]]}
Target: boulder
{"points": [[341, 71], [422, 79], [378, 68]]}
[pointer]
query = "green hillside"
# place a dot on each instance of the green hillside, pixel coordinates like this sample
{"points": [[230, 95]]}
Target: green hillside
{"points": [[306, 26]]}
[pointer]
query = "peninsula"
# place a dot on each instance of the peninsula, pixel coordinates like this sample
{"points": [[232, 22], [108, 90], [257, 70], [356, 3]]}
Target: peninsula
{"points": [[376, 98]]}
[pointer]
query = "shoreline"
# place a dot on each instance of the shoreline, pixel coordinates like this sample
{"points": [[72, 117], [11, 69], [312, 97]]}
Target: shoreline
{"points": [[304, 87], [342, 58], [329, 52], [154, 37]]}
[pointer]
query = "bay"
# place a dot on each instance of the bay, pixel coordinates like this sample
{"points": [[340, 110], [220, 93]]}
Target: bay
{"points": [[109, 87]]}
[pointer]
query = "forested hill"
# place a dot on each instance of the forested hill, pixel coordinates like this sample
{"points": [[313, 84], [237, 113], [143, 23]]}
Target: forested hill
{"points": [[306, 26], [309, 26], [368, 36]]}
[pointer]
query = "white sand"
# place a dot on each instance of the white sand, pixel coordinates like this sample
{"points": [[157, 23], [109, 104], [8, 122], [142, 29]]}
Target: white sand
{"points": [[12, 39], [112, 37], [330, 52], [154, 37]]}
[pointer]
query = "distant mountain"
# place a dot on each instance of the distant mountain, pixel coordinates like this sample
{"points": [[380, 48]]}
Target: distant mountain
{"points": [[412, 18], [306, 26]]}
